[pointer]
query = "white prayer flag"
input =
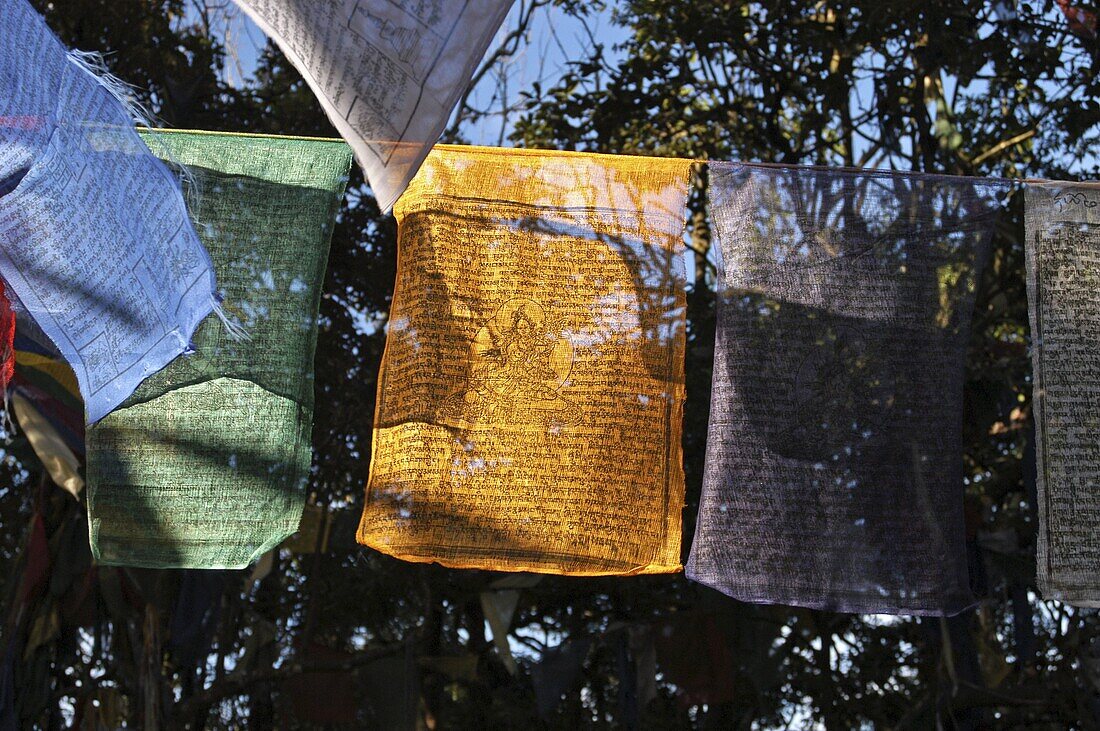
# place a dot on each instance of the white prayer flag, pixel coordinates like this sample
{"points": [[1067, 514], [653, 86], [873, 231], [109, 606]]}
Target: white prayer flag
{"points": [[387, 73], [98, 248]]}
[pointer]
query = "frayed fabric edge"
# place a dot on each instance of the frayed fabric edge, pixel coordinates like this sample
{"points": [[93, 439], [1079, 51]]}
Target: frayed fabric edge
{"points": [[236, 331], [95, 66]]}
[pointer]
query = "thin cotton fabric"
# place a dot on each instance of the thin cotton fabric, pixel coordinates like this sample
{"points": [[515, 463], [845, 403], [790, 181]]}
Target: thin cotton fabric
{"points": [[1062, 223], [205, 466], [98, 248], [834, 473], [531, 393], [387, 73]]}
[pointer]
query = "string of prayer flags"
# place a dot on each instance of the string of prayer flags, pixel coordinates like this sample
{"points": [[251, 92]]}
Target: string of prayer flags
{"points": [[531, 393], [45, 400], [834, 474], [205, 466], [98, 248], [1062, 226], [387, 74]]}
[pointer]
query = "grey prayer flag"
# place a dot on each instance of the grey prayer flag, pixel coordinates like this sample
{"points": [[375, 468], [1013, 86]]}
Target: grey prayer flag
{"points": [[834, 459]]}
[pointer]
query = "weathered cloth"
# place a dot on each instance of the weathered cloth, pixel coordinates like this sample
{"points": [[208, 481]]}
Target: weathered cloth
{"points": [[98, 248], [205, 466], [834, 471], [388, 74], [531, 392], [1063, 288]]}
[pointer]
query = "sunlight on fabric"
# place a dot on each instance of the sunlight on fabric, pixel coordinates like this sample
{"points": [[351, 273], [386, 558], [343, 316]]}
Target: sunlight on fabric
{"points": [[531, 393], [205, 466], [98, 248], [834, 472], [387, 74]]}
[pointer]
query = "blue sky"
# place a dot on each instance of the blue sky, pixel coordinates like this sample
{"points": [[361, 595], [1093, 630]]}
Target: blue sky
{"points": [[554, 39]]}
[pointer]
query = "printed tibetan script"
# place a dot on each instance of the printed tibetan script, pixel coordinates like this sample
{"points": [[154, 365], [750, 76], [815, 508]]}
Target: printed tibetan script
{"points": [[531, 394], [205, 466], [834, 469], [98, 248], [387, 72], [1063, 258]]}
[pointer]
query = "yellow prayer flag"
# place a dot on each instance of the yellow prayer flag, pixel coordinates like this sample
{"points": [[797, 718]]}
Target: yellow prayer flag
{"points": [[531, 394]]}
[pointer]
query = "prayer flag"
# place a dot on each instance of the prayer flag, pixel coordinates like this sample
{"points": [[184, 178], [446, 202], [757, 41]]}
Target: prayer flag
{"points": [[205, 466], [531, 392], [834, 469], [47, 384], [98, 248], [388, 74], [1062, 224]]}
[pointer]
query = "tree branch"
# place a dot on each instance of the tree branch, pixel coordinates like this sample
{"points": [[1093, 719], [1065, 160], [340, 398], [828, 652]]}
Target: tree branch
{"points": [[504, 49], [1004, 145]]}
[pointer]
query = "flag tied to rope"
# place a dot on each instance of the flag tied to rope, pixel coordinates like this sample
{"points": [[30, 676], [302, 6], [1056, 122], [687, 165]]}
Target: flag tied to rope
{"points": [[205, 466], [531, 393], [834, 470]]}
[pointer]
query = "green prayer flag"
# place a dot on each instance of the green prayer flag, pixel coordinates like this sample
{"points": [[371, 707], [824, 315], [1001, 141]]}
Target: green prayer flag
{"points": [[205, 465]]}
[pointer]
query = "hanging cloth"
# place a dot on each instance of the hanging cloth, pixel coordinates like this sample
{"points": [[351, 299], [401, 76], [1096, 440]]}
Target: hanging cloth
{"points": [[98, 248], [387, 74], [206, 465], [60, 463], [531, 392], [558, 672], [1062, 224], [834, 468]]}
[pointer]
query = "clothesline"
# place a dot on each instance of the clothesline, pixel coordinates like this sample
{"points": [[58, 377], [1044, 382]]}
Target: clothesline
{"points": [[699, 160]]}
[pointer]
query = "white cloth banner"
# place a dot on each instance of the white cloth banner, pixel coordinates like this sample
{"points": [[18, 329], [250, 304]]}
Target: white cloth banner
{"points": [[98, 248], [387, 73]]}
